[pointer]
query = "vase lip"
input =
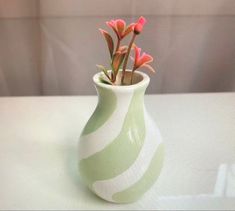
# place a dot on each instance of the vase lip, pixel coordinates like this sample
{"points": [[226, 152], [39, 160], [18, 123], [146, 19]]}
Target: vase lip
{"points": [[141, 84]]}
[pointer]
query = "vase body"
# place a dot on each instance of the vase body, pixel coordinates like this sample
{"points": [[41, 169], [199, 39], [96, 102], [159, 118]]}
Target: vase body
{"points": [[120, 149]]}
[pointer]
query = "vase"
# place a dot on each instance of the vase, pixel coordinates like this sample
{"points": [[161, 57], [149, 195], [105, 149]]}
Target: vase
{"points": [[120, 149]]}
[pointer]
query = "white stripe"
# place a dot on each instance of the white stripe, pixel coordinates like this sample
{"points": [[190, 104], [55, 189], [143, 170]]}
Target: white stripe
{"points": [[99, 139], [107, 188]]}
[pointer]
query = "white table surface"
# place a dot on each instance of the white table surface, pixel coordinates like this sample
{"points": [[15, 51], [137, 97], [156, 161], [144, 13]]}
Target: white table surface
{"points": [[38, 146]]}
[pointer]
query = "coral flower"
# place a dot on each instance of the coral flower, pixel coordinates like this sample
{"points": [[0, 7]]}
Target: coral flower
{"points": [[120, 28], [139, 25], [142, 60]]}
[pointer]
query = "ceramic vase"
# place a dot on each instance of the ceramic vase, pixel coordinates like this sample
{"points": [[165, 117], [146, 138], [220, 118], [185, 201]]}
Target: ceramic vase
{"points": [[120, 149]]}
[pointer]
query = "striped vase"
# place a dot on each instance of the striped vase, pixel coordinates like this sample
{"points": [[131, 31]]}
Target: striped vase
{"points": [[120, 149]]}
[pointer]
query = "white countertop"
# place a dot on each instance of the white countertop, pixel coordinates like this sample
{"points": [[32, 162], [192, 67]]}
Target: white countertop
{"points": [[38, 146]]}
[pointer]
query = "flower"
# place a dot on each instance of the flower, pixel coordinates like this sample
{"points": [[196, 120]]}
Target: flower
{"points": [[119, 27], [120, 54], [139, 25], [142, 60], [123, 49]]}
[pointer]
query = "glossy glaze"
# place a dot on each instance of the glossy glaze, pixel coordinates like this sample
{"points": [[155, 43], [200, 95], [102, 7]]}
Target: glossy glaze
{"points": [[120, 148]]}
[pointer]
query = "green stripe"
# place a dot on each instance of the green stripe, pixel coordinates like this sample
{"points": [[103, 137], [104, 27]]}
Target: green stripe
{"points": [[105, 108], [134, 192], [123, 150]]}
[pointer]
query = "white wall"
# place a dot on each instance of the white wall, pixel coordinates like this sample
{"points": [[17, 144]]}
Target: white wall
{"points": [[50, 47]]}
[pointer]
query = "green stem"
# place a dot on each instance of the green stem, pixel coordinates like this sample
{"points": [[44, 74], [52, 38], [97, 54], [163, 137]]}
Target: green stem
{"points": [[127, 56]]}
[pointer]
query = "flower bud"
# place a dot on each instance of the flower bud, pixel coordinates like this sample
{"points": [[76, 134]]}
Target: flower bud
{"points": [[139, 25]]}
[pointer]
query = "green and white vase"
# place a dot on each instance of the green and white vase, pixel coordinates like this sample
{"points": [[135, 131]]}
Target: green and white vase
{"points": [[120, 149]]}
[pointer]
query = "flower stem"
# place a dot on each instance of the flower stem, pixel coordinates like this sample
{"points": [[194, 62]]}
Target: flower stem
{"points": [[126, 58], [132, 73], [118, 45]]}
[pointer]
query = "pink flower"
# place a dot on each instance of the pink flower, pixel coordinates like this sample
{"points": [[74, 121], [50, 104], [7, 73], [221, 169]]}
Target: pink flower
{"points": [[142, 60], [119, 27], [139, 25]]}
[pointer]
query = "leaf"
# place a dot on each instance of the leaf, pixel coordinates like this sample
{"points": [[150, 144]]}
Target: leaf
{"points": [[104, 70], [117, 61], [104, 80], [109, 41]]}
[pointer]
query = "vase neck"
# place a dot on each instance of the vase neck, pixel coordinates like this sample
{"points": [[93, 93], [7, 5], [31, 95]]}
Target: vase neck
{"points": [[113, 97], [109, 100]]}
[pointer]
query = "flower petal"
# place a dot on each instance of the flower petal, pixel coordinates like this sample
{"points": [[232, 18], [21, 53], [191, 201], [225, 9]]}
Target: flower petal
{"points": [[144, 59], [123, 49], [129, 29], [137, 54], [120, 26], [139, 25], [112, 24], [149, 67], [142, 20]]}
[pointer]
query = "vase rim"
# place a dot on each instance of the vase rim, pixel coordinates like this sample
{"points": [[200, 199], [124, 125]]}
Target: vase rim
{"points": [[142, 83]]}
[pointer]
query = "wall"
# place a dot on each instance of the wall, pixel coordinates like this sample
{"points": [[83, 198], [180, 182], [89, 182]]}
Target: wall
{"points": [[50, 47]]}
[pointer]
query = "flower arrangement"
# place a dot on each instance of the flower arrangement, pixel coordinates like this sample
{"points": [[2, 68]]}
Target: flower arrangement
{"points": [[120, 54]]}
